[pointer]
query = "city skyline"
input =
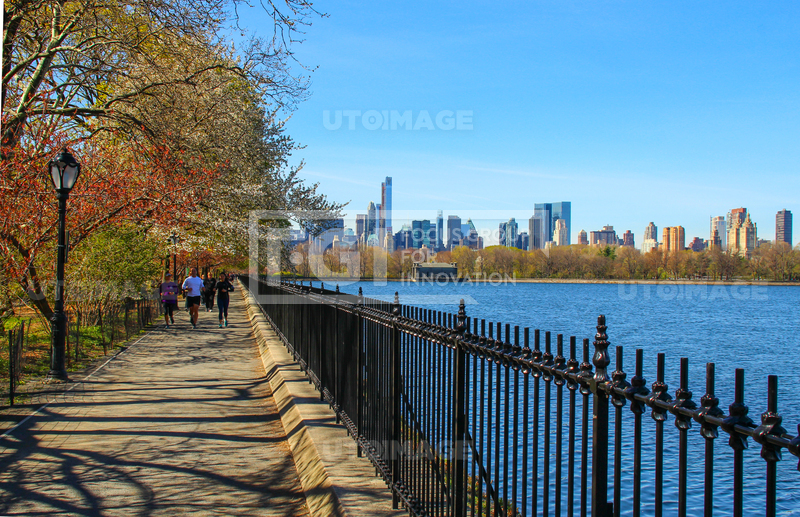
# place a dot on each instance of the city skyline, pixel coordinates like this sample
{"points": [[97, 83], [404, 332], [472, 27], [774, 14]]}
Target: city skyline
{"points": [[633, 114], [489, 226]]}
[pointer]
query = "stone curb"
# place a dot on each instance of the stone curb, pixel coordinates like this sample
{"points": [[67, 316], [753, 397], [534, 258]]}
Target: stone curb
{"points": [[336, 482], [320, 497]]}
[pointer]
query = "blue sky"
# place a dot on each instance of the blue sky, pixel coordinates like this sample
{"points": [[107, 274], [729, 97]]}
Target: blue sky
{"points": [[670, 112]]}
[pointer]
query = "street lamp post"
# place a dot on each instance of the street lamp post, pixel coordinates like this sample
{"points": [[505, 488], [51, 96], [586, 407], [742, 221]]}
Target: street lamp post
{"points": [[64, 172]]}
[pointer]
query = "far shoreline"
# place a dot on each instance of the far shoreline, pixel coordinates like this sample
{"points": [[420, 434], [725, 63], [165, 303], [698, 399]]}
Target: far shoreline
{"points": [[766, 283]]}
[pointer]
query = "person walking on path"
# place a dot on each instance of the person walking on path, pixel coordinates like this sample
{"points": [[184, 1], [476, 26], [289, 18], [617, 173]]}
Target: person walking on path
{"points": [[223, 299], [210, 285], [193, 287], [169, 297]]}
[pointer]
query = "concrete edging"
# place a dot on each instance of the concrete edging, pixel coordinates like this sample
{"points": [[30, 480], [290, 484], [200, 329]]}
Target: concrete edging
{"points": [[336, 482]]}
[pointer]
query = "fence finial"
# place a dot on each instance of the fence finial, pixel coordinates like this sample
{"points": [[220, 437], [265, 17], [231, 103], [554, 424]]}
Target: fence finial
{"points": [[462, 317], [601, 358], [396, 304]]}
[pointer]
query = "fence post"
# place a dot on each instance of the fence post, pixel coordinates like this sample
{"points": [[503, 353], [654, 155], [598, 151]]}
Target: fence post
{"points": [[11, 372], [359, 368], [459, 413], [396, 447], [601, 359]]}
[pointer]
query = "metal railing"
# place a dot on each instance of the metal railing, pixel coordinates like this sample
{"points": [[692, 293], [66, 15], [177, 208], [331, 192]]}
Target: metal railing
{"points": [[458, 414]]}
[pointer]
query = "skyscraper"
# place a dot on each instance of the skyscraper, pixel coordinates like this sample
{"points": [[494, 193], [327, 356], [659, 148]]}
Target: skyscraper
{"points": [[535, 233], [549, 213], [439, 231], [560, 233], [583, 239], [719, 233], [627, 238], [361, 225], [674, 239], [742, 236], [510, 229], [651, 232], [783, 227], [737, 215], [372, 220], [453, 231], [386, 204]]}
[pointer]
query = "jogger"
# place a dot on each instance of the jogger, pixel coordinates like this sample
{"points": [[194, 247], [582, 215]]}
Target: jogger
{"points": [[223, 288]]}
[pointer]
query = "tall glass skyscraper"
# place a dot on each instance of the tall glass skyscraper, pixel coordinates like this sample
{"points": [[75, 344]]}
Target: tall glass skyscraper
{"points": [[439, 231], [549, 213], [386, 205]]}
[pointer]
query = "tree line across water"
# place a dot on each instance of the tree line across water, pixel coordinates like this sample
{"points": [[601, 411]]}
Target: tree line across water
{"points": [[773, 262]]}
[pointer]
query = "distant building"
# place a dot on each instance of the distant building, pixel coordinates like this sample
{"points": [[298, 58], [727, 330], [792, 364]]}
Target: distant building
{"points": [[605, 237], [697, 244], [783, 227], [386, 205], [561, 233], [719, 234], [403, 239], [439, 231], [651, 232], [762, 242], [361, 225], [523, 241], [372, 220], [453, 231], [471, 239], [649, 245], [735, 216], [420, 233], [674, 239], [627, 238], [742, 235], [508, 232], [549, 213], [535, 233], [583, 238]]}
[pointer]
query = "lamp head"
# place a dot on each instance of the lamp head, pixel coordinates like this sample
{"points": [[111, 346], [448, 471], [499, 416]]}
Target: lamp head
{"points": [[64, 171]]}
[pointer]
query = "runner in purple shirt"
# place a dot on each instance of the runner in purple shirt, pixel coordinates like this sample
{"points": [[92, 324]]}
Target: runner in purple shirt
{"points": [[169, 297]]}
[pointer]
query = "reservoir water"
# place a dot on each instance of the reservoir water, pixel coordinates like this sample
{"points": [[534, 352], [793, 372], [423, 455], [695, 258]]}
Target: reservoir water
{"points": [[754, 327]]}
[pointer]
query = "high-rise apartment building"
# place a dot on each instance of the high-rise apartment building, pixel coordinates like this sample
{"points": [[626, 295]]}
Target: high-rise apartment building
{"points": [[737, 215], [627, 238], [453, 231], [719, 234], [583, 238], [783, 227], [605, 237], [549, 213], [674, 239], [560, 233], [742, 236], [651, 232]]}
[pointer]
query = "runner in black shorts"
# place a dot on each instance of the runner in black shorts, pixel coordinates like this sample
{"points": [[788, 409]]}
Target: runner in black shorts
{"points": [[193, 286]]}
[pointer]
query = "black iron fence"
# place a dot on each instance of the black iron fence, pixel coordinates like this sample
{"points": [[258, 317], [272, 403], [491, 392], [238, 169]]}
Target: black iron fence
{"points": [[466, 417], [16, 342]]}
